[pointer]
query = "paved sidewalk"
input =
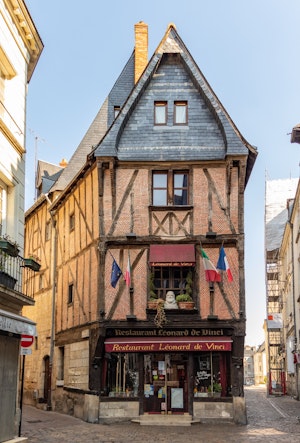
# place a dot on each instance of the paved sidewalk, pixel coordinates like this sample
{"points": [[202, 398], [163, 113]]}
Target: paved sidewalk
{"points": [[270, 419]]}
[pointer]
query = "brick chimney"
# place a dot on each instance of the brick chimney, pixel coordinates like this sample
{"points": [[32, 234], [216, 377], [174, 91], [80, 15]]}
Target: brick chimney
{"points": [[141, 49]]}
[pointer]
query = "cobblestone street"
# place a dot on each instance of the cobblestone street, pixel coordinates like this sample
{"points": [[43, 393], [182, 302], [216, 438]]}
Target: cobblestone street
{"points": [[271, 419]]}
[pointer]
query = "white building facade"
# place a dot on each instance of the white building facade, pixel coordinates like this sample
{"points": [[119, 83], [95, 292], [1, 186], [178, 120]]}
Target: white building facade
{"points": [[20, 48]]}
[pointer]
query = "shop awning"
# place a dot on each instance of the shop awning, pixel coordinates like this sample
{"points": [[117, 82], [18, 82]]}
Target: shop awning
{"points": [[178, 344], [16, 324], [172, 255]]}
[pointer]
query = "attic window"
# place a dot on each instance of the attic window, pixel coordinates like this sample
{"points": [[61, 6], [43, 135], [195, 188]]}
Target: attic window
{"points": [[160, 113], [180, 113], [116, 111]]}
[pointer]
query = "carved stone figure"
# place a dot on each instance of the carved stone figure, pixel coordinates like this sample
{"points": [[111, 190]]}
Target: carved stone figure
{"points": [[170, 302]]}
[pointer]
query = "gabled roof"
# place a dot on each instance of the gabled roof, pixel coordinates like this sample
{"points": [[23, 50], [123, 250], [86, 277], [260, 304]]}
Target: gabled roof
{"points": [[233, 142]]}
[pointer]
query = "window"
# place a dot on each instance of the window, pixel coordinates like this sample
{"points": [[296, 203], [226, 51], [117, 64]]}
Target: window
{"points": [[122, 377], [180, 113], [71, 293], [3, 205], [72, 221], [41, 282], [116, 111], [47, 231], [160, 113], [211, 374], [170, 188], [60, 363], [169, 278], [1, 208]]}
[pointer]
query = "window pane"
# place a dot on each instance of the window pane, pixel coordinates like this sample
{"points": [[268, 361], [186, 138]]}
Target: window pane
{"points": [[159, 180], [180, 197], [180, 180], [180, 113], [160, 113], [159, 197], [159, 189], [180, 189]]}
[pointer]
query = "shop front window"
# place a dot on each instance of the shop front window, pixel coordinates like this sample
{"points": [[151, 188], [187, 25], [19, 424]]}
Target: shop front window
{"points": [[211, 374], [122, 375]]}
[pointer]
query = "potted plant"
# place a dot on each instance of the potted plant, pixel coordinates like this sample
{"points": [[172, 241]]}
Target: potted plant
{"points": [[185, 301], [9, 246], [32, 262], [153, 297], [217, 389]]}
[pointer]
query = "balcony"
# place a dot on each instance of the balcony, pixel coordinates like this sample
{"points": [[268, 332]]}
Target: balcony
{"points": [[17, 279]]}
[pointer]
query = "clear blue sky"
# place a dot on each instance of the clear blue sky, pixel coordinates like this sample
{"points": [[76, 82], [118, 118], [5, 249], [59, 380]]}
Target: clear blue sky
{"points": [[247, 50]]}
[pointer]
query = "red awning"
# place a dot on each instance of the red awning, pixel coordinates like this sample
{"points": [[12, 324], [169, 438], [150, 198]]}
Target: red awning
{"points": [[178, 344], [172, 255]]}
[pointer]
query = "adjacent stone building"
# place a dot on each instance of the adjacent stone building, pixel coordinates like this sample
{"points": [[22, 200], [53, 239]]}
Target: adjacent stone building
{"points": [[150, 201]]}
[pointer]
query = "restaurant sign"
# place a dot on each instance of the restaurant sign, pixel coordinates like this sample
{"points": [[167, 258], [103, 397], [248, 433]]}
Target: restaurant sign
{"points": [[179, 344]]}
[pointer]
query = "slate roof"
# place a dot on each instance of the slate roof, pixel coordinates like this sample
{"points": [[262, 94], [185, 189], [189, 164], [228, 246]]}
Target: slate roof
{"points": [[99, 126], [232, 143]]}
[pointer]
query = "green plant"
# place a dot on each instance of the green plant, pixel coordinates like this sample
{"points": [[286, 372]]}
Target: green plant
{"points": [[189, 284], [183, 297], [9, 246], [217, 387], [152, 293]]}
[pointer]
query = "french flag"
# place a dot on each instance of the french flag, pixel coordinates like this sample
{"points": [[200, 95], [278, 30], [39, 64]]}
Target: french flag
{"points": [[223, 265]]}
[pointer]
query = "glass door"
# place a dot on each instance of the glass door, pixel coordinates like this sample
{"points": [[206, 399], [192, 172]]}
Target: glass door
{"points": [[165, 383]]}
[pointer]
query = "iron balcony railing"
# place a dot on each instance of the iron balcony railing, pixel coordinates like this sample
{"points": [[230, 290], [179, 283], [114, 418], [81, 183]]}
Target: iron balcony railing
{"points": [[17, 274]]}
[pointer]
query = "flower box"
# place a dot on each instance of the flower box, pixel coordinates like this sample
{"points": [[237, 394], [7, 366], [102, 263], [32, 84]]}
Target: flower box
{"points": [[7, 280], [32, 264], [9, 248], [186, 304]]}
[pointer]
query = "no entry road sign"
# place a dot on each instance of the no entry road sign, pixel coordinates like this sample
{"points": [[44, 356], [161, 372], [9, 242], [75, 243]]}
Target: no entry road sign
{"points": [[26, 340]]}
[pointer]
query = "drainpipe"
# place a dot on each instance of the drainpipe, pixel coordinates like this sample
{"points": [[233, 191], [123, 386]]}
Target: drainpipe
{"points": [[53, 282], [294, 305]]}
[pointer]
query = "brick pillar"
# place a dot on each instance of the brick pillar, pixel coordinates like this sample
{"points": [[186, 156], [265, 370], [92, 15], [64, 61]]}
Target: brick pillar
{"points": [[141, 49]]}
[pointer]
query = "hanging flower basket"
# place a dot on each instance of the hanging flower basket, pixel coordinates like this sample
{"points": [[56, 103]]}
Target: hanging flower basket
{"points": [[32, 264], [9, 247]]}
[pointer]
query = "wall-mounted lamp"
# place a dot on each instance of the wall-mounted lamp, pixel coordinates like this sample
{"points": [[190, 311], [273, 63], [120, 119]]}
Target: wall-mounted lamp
{"points": [[211, 235], [131, 235]]}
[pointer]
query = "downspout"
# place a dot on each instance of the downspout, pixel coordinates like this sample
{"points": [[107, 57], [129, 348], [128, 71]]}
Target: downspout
{"points": [[294, 304], [53, 283]]}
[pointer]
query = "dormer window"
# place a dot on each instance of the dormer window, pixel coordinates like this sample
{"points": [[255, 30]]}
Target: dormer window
{"points": [[180, 113], [160, 113]]}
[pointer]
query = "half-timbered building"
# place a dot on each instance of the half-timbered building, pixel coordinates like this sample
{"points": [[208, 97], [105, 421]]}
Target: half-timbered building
{"points": [[137, 221]]}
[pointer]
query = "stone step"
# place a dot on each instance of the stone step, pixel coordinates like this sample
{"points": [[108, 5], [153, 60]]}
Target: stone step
{"points": [[165, 420]]}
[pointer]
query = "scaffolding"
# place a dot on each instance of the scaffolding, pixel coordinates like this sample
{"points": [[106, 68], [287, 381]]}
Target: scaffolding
{"points": [[275, 339]]}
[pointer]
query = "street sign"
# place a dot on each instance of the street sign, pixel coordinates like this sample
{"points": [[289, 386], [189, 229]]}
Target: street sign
{"points": [[25, 351], [26, 340]]}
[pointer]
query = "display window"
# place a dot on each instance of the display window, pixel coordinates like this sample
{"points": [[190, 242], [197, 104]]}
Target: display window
{"points": [[211, 374], [122, 375]]}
